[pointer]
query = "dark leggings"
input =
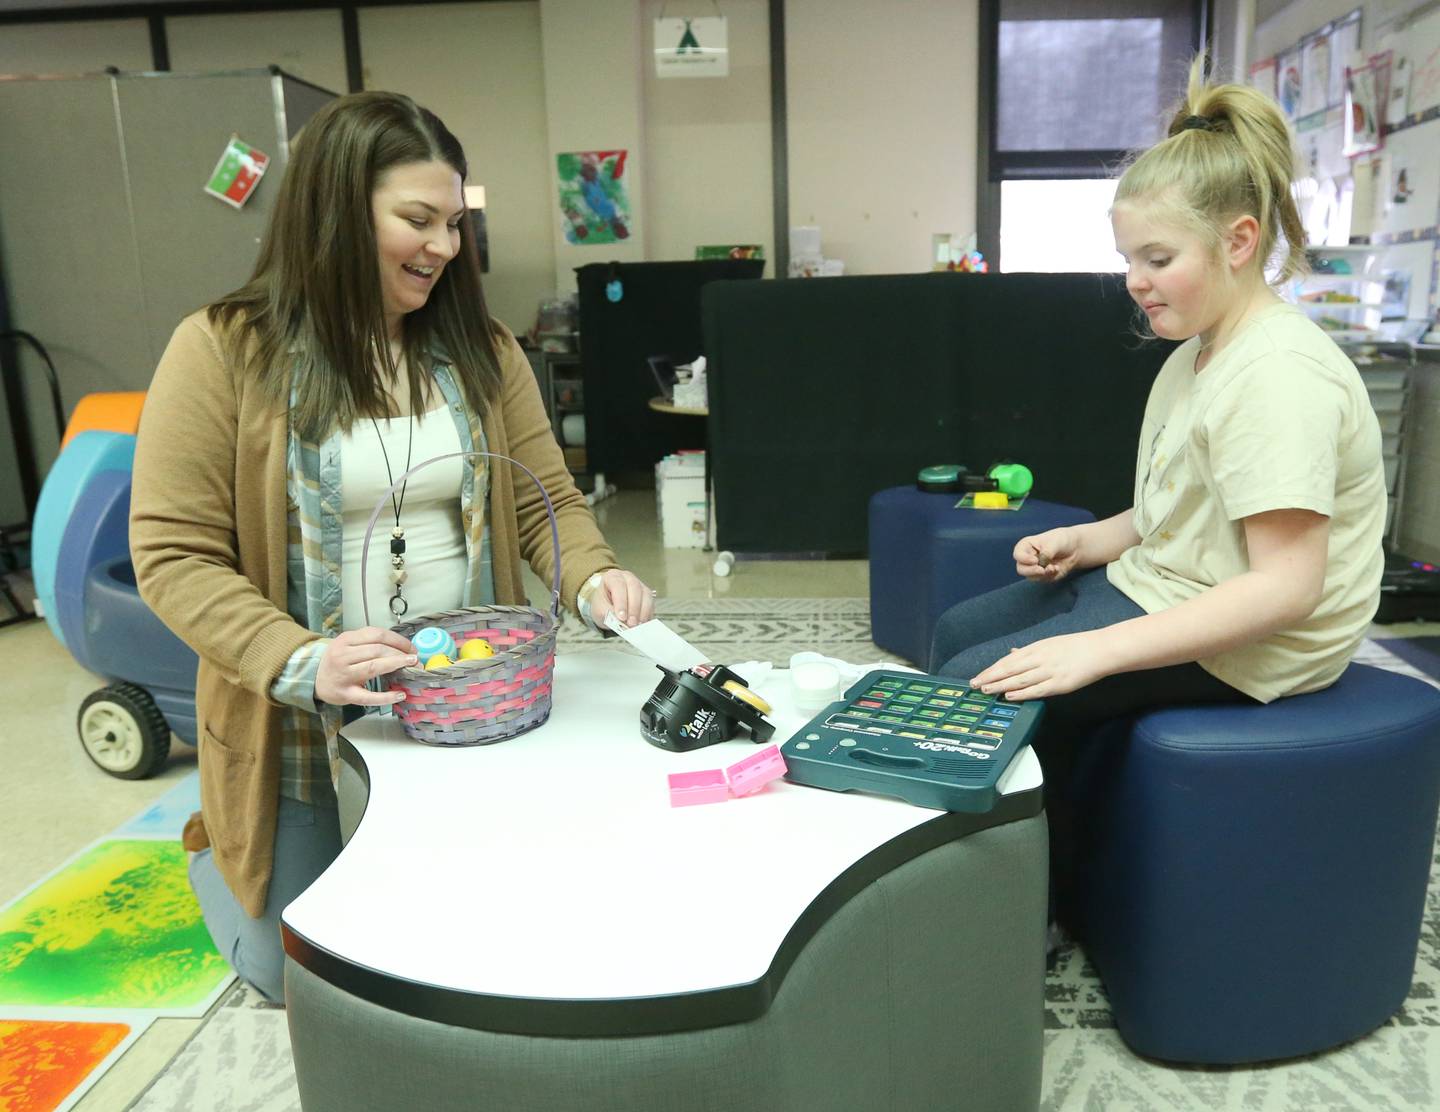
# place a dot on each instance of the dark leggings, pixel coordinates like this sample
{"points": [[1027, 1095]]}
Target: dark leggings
{"points": [[973, 634]]}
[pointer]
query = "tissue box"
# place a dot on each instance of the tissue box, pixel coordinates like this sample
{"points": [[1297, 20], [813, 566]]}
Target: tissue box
{"points": [[680, 500], [691, 395]]}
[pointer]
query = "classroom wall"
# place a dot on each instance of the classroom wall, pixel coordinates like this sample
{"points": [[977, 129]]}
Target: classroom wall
{"points": [[883, 104], [594, 102], [478, 67], [308, 44], [708, 140], [69, 48]]}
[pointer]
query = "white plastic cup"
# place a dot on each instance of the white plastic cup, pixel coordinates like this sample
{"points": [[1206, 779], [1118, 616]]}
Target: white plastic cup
{"points": [[815, 684]]}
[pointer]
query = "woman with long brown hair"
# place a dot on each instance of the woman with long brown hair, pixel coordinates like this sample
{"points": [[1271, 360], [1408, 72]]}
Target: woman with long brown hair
{"points": [[277, 418]]}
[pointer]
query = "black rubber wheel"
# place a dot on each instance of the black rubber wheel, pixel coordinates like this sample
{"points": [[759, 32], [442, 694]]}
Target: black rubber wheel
{"points": [[123, 731]]}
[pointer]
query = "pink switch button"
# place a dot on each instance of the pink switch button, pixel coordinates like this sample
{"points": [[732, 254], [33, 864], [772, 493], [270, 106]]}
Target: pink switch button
{"points": [[755, 771], [705, 786]]}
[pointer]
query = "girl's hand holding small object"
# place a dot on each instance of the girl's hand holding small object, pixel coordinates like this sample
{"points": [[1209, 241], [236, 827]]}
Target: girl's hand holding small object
{"points": [[1048, 556], [356, 657], [622, 593]]}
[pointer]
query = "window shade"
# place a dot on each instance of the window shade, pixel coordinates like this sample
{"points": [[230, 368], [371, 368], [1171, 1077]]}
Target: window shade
{"points": [[1078, 83]]}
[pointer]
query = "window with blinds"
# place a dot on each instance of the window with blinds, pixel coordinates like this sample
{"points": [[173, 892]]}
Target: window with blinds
{"points": [[1078, 83], [1070, 87]]}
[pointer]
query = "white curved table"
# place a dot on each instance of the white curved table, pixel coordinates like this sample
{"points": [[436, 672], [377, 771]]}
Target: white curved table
{"points": [[544, 886]]}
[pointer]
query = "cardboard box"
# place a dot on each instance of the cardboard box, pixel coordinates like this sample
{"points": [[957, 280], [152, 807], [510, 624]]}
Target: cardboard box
{"points": [[680, 500]]}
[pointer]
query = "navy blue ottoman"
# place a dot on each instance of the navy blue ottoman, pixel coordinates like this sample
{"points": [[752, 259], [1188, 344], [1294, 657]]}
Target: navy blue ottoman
{"points": [[1249, 880], [925, 556]]}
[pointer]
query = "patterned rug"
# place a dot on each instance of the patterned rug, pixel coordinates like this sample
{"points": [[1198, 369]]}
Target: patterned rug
{"points": [[239, 1061]]}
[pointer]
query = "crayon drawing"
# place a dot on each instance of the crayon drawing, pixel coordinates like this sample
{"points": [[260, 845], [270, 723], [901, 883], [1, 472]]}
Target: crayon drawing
{"points": [[594, 197]]}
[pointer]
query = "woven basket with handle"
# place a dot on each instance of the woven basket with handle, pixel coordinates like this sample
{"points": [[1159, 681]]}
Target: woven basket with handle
{"points": [[477, 702]]}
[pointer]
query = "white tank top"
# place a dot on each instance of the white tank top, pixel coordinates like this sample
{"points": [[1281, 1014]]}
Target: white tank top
{"points": [[435, 557]]}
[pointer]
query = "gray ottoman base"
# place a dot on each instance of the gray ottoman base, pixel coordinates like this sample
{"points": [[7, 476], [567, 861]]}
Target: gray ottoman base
{"points": [[925, 991]]}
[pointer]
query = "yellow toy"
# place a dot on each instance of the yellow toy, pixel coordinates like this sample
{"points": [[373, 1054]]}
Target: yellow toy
{"points": [[439, 660], [477, 648]]}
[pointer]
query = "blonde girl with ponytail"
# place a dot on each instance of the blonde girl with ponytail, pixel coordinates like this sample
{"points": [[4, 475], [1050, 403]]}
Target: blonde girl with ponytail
{"points": [[1248, 567]]}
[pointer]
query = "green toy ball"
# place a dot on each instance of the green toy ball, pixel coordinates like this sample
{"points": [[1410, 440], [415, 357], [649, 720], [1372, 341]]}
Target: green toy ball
{"points": [[1013, 479]]}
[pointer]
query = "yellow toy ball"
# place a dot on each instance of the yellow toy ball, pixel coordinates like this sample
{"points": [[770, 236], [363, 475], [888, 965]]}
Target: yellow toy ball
{"points": [[439, 660], [477, 648]]}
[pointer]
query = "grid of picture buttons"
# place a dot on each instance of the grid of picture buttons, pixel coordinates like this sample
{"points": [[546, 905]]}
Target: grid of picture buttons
{"points": [[923, 708]]}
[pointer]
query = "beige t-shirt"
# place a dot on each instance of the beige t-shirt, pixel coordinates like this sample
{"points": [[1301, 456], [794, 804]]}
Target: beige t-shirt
{"points": [[1278, 420]]}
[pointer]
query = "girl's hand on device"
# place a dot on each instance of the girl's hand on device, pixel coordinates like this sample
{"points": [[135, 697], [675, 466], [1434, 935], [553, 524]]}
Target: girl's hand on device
{"points": [[1053, 666], [623, 593], [1048, 556], [356, 657]]}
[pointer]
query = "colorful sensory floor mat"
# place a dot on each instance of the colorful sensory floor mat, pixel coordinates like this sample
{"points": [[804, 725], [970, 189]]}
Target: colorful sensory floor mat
{"points": [[95, 951], [49, 1064]]}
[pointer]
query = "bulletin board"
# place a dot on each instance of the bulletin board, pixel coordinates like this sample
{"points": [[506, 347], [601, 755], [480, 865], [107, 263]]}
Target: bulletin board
{"points": [[1407, 211], [1308, 78]]}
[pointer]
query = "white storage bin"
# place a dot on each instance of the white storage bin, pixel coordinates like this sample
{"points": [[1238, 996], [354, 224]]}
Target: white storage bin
{"points": [[680, 500]]}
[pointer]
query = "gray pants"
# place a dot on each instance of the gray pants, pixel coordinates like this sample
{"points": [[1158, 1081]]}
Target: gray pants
{"points": [[307, 839]]}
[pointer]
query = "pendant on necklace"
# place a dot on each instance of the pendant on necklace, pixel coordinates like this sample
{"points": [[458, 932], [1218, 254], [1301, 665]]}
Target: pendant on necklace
{"points": [[398, 605]]}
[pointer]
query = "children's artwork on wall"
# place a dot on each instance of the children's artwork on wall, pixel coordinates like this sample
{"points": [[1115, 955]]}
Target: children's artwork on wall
{"points": [[1288, 82], [1399, 89], [1425, 58], [1315, 74], [1395, 303], [1344, 42], [1320, 138], [1410, 179], [1309, 77], [1262, 76], [594, 197], [1367, 88]]}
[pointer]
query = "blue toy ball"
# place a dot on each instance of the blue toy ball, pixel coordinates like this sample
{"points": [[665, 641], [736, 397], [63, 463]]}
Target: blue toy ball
{"points": [[432, 640]]}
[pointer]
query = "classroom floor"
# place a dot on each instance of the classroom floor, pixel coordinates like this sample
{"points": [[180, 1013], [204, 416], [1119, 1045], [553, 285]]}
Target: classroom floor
{"points": [[56, 801]]}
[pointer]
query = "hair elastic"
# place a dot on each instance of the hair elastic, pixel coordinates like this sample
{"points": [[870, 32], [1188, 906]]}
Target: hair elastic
{"points": [[1203, 123]]}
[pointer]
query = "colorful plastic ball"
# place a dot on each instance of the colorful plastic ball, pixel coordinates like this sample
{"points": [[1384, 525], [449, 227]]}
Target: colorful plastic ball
{"points": [[477, 648], [432, 640], [438, 660]]}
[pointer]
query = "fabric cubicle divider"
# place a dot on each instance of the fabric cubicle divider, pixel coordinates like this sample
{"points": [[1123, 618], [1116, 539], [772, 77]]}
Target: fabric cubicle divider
{"points": [[824, 391], [658, 314]]}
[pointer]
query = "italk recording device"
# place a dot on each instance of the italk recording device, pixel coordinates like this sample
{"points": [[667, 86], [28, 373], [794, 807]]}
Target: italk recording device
{"points": [[700, 706]]}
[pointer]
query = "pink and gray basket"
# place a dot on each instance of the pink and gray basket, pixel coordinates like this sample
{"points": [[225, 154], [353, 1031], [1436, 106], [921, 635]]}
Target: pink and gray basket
{"points": [[478, 702]]}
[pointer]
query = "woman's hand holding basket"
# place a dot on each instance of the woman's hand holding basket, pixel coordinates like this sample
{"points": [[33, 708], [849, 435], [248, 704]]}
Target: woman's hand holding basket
{"points": [[356, 657]]}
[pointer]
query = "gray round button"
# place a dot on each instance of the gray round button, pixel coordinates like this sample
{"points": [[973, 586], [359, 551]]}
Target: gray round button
{"points": [[802, 745], [847, 741]]}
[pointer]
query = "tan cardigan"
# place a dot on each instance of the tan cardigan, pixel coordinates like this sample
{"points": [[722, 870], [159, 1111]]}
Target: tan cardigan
{"points": [[208, 532]]}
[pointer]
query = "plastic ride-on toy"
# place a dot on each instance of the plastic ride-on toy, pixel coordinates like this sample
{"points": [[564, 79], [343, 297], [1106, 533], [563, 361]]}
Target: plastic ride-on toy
{"points": [[85, 584]]}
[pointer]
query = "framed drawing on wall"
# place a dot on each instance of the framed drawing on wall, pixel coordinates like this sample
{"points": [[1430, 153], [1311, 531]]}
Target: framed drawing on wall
{"points": [[1367, 88]]}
